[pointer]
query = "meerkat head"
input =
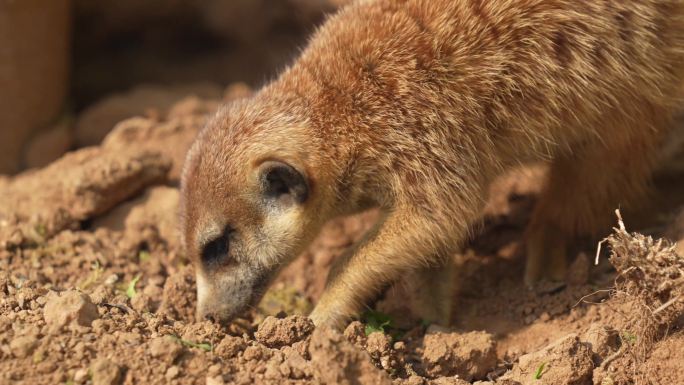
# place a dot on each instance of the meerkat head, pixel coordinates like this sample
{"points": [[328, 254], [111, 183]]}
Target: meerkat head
{"points": [[249, 204]]}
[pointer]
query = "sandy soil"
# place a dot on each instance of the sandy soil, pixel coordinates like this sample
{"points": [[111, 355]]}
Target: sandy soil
{"points": [[95, 289]]}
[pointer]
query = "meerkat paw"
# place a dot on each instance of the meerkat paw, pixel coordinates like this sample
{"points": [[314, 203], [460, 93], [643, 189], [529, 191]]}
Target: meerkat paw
{"points": [[546, 255], [325, 315]]}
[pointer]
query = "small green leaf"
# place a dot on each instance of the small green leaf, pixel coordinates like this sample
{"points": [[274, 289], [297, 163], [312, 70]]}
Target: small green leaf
{"points": [[130, 290], [376, 322], [144, 255], [93, 277], [41, 229], [204, 346], [540, 371], [370, 329], [628, 337]]}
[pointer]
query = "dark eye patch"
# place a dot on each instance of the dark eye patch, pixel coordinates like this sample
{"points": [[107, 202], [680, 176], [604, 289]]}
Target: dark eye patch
{"points": [[283, 183], [216, 250]]}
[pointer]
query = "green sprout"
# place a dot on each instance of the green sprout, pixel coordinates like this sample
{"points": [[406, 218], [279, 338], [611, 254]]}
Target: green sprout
{"points": [[628, 337], [93, 277], [130, 290], [144, 256], [204, 346], [376, 322], [540, 371], [41, 229]]}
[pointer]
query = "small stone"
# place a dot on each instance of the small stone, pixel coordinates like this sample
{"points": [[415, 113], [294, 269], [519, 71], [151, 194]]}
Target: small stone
{"points": [[105, 372], [214, 370], [276, 333], [468, 355], [355, 333], [81, 376], [23, 346], [69, 307], [543, 317], [164, 348], [378, 344], [229, 347], [172, 372], [111, 280]]}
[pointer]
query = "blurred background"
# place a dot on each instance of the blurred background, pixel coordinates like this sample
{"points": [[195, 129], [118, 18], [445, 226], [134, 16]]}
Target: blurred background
{"points": [[71, 69]]}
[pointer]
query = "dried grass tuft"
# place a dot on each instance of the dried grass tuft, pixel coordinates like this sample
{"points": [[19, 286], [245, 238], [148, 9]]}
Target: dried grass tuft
{"points": [[651, 282]]}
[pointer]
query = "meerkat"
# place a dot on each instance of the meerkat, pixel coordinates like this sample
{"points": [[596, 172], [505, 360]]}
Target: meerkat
{"points": [[414, 106]]}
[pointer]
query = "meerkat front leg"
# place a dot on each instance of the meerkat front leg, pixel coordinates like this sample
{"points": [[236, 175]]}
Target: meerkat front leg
{"points": [[405, 241]]}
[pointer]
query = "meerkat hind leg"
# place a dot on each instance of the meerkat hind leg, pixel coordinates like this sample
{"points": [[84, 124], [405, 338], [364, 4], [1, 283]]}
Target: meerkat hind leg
{"points": [[583, 190], [546, 255]]}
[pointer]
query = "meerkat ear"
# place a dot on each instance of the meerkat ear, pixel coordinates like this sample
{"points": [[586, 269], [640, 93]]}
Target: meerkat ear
{"points": [[283, 183]]}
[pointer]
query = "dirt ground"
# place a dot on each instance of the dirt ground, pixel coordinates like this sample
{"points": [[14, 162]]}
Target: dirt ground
{"points": [[95, 289]]}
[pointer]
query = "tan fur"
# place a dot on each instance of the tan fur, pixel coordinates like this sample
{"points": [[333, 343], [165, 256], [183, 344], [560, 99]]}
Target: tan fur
{"points": [[414, 106]]}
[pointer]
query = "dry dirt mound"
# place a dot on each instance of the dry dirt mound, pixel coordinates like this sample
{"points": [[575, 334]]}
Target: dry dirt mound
{"points": [[95, 289]]}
